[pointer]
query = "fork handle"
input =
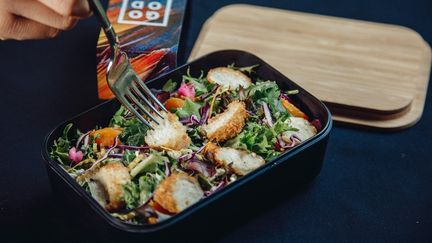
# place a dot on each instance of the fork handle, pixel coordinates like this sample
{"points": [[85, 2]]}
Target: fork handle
{"points": [[99, 11]]}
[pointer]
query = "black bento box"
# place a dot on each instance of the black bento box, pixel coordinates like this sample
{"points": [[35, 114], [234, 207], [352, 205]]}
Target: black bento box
{"points": [[244, 197]]}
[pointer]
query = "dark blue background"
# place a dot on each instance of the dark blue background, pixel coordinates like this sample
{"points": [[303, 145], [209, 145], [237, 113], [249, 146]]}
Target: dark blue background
{"points": [[374, 186]]}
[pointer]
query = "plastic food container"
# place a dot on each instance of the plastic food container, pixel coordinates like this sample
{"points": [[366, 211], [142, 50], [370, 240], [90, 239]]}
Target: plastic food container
{"points": [[244, 197]]}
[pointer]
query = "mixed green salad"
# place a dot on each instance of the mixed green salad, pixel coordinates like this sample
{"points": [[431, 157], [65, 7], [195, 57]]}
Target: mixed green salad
{"points": [[220, 126]]}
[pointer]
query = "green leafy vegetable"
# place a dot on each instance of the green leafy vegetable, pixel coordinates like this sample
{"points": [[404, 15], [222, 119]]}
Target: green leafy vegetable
{"points": [[61, 147], [189, 108], [260, 139], [128, 156], [268, 92], [200, 84], [248, 69], [148, 164], [169, 86]]}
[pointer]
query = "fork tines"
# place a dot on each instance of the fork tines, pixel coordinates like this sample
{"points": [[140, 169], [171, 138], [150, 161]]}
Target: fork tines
{"points": [[138, 93]]}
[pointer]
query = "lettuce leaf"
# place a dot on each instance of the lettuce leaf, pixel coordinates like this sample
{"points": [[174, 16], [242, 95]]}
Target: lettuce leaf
{"points": [[267, 92], [189, 108], [259, 138]]}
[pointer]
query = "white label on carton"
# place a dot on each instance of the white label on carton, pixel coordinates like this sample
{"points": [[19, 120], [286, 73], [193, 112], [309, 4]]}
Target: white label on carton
{"points": [[141, 12]]}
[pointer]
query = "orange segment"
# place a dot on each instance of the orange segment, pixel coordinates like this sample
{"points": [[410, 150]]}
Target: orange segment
{"points": [[105, 136], [174, 103], [293, 110]]}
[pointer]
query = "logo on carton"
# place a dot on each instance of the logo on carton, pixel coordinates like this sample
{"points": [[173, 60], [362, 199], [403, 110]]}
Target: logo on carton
{"points": [[141, 12]]}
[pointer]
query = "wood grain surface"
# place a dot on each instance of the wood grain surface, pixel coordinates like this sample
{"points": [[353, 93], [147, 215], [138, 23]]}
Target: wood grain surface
{"points": [[369, 74]]}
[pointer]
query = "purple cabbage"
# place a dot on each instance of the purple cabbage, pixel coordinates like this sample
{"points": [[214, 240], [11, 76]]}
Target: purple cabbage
{"points": [[84, 136], [201, 167], [282, 145], [130, 147], [215, 188], [317, 124]]}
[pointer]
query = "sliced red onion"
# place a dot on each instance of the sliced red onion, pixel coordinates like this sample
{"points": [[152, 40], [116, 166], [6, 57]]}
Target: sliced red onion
{"points": [[215, 188], [204, 113], [204, 96], [130, 147], [189, 121], [167, 169], [317, 124], [185, 157], [117, 156], [267, 114], [286, 97], [201, 167], [85, 135], [281, 144]]}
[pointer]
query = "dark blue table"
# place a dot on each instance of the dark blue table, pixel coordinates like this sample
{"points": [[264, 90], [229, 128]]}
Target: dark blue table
{"points": [[373, 187]]}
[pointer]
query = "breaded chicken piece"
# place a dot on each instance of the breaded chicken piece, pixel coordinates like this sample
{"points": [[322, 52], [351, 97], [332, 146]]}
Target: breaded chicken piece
{"points": [[177, 192], [238, 161], [227, 124], [107, 183], [305, 129], [170, 133], [228, 77]]}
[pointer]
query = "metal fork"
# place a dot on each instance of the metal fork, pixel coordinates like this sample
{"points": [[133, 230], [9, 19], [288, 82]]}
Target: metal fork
{"points": [[123, 81]]}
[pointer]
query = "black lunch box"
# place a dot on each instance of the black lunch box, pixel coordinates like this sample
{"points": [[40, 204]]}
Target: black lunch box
{"points": [[251, 194]]}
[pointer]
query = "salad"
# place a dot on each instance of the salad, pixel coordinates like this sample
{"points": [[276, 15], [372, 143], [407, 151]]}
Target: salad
{"points": [[220, 126]]}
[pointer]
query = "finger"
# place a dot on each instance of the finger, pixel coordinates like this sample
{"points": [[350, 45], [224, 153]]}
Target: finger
{"points": [[38, 12], [19, 28], [74, 8]]}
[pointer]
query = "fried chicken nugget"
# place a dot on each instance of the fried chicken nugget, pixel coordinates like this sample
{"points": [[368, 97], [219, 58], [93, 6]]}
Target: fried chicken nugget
{"points": [[227, 124], [238, 161], [170, 133], [108, 182], [228, 77], [177, 192]]}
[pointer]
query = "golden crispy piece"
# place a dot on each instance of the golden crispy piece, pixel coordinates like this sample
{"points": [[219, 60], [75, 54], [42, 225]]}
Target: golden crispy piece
{"points": [[228, 77], [177, 192], [170, 133], [238, 161], [107, 184], [227, 124]]}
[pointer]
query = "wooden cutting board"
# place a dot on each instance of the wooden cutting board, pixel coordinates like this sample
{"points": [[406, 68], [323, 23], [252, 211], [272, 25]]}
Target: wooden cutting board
{"points": [[368, 73]]}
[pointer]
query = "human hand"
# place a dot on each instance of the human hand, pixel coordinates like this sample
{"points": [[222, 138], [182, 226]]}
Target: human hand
{"points": [[39, 19]]}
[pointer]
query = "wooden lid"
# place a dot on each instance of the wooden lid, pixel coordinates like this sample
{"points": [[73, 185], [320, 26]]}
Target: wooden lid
{"points": [[354, 66]]}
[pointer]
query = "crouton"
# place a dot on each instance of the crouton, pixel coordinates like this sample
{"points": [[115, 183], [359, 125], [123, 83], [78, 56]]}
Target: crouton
{"points": [[169, 134], [107, 183], [238, 161], [177, 192], [304, 131], [227, 124], [228, 77]]}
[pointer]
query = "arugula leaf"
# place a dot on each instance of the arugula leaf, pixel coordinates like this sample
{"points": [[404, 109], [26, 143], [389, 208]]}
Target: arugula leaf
{"points": [[201, 85], [131, 195], [260, 139], [128, 156], [139, 190], [133, 132], [169, 86], [118, 118], [61, 147], [248, 69], [268, 92], [189, 108]]}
